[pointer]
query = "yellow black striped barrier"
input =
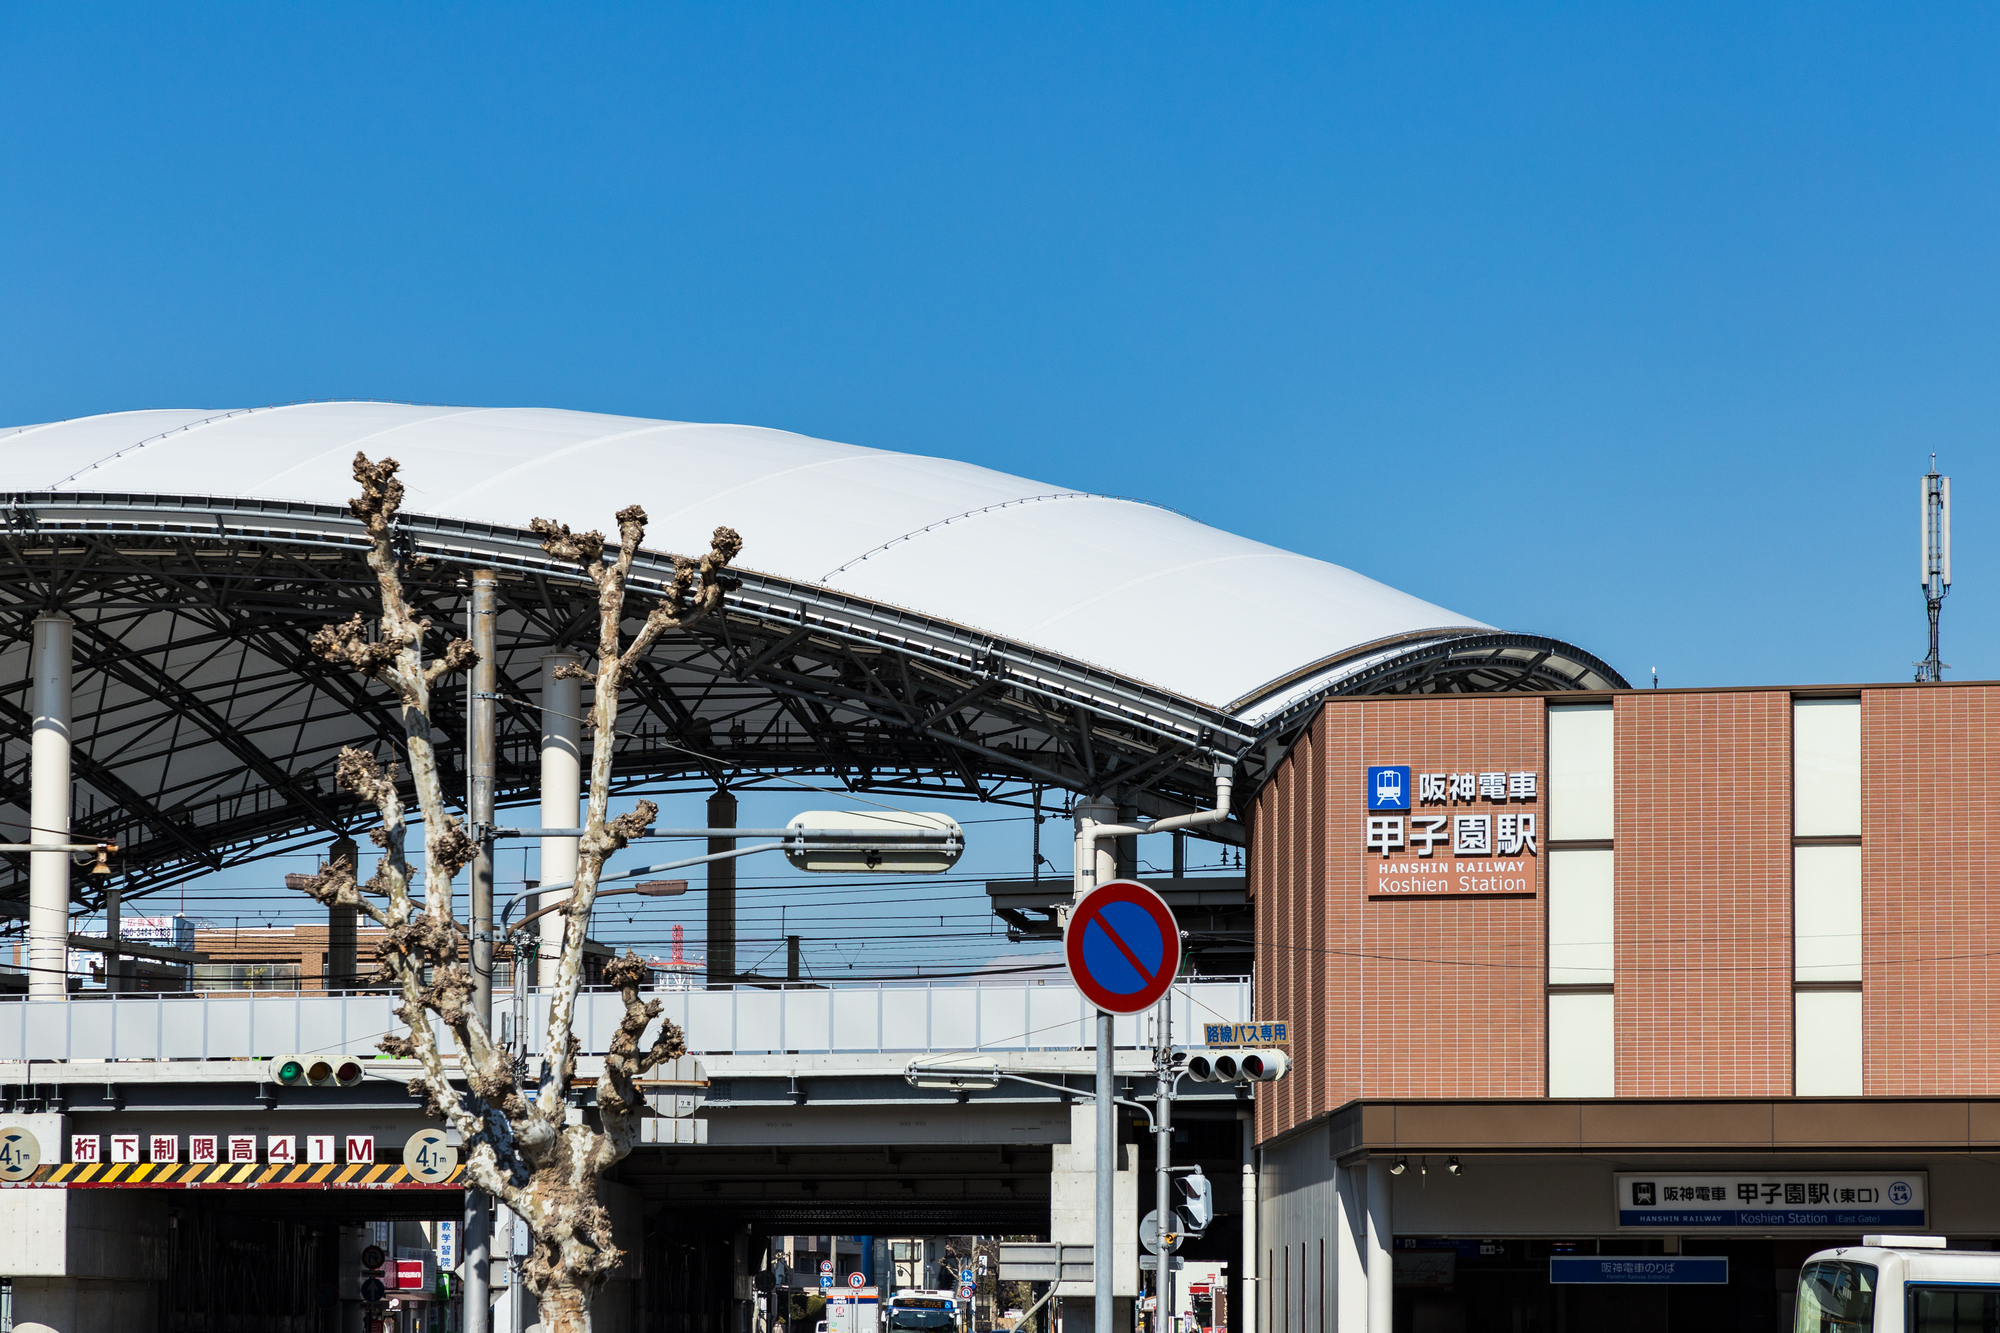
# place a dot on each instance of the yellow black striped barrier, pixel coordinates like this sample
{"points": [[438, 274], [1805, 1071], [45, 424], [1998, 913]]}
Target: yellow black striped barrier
{"points": [[234, 1175]]}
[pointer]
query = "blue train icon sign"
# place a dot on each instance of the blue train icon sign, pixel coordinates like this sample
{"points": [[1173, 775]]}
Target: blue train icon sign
{"points": [[1388, 787]]}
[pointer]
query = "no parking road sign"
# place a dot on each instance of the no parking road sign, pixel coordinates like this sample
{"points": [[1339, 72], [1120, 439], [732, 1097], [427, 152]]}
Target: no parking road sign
{"points": [[1123, 947]]}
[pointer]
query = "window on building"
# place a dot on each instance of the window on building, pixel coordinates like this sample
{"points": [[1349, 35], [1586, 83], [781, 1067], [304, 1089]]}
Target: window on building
{"points": [[246, 976]]}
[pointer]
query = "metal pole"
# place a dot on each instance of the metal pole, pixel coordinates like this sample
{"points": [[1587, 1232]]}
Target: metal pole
{"points": [[562, 788], [48, 810], [722, 894], [1163, 1060], [478, 1309], [1107, 1163], [1095, 863]]}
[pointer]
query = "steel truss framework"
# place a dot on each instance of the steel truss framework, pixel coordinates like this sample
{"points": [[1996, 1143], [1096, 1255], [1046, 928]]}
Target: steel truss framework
{"points": [[206, 733]]}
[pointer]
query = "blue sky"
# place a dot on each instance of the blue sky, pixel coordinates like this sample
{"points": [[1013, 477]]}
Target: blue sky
{"points": [[1633, 325]]}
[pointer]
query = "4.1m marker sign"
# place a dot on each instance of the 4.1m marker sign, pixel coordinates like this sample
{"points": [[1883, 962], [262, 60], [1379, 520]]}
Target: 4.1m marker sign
{"points": [[1123, 947]]}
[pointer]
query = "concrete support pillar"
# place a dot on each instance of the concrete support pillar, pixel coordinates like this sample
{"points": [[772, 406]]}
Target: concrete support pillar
{"points": [[562, 789], [1381, 1240], [721, 895], [48, 809], [341, 922], [1101, 867], [1350, 1273]]}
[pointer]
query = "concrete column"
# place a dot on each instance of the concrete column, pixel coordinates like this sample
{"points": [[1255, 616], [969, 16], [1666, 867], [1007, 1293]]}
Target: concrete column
{"points": [[341, 922], [1350, 1249], [48, 810], [1381, 1237], [1102, 866], [562, 789], [721, 895]]}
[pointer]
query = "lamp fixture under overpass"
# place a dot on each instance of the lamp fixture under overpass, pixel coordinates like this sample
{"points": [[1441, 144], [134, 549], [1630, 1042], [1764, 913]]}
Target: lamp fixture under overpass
{"points": [[823, 841]]}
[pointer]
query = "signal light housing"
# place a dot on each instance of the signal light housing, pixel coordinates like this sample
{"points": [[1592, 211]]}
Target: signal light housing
{"points": [[1195, 1205], [1266, 1066], [1201, 1069], [315, 1071]]}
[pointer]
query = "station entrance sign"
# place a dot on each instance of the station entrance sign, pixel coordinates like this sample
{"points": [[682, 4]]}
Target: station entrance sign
{"points": [[1123, 947]]}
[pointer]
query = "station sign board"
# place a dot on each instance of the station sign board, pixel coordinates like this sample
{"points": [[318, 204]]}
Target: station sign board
{"points": [[1773, 1201], [1657, 1270], [1455, 834]]}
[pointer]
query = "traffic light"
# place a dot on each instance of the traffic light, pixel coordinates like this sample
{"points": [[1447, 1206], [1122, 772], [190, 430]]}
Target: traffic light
{"points": [[315, 1071], [1194, 1204], [1253, 1067], [1266, 1066]]}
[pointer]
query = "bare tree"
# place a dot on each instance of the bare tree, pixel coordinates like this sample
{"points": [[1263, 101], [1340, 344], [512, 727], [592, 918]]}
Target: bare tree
{"points": [[521, 1151]]}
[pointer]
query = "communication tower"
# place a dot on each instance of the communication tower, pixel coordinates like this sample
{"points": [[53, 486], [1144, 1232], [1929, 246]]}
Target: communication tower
{"points": [[1935, 549]]}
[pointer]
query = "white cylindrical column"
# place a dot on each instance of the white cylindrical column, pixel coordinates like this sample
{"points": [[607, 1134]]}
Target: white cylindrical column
{"points": [[1246, 1276], [562, 788], [1100, 864], [1381, 1240], [48, 813]]}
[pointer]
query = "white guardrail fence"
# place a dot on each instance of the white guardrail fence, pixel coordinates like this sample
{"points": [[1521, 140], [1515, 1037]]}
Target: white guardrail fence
{"points": [[941, 1016]]}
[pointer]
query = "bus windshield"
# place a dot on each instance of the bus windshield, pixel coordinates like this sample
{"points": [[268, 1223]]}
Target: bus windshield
{"points": [[1836, 1297], [921, 1319]]}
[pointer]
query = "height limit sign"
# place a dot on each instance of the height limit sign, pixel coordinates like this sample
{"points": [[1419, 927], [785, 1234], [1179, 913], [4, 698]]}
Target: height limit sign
{"points": [[1123, 947]]}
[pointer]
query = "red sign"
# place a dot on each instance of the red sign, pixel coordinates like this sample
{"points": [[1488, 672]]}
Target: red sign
{"points": [[1123, 947], [409, 1275]]}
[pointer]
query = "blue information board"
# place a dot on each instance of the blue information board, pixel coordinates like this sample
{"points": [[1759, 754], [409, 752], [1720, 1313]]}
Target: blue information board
{"points": [[1674, 1269]]}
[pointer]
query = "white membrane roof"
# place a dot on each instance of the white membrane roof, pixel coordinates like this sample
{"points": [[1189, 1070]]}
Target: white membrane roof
{"points": [[1134, 589]]}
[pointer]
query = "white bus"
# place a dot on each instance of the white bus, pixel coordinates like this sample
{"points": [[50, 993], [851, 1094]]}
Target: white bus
{"points": [[1899, 1284], [916, 1311]]}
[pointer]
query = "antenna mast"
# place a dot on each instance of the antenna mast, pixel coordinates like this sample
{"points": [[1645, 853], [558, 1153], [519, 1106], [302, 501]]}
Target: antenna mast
{"points": [[1936, 565]]}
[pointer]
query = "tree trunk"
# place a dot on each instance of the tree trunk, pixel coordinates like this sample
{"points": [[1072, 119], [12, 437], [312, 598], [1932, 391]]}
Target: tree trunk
{"points": [[565, 1308]]}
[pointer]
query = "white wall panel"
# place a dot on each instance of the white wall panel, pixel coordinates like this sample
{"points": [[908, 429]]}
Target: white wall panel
{"points": [[1581, 1061], [1826, 913], [1826, 768], [1580, 918], [1827, 1043], [1580, 750]]}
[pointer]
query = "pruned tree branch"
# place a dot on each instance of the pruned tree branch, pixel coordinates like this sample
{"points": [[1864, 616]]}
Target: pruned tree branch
{"points": [[525, 1153]]}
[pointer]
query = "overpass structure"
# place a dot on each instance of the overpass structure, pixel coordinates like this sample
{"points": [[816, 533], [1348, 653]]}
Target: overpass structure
{"points": [[791, 1113]]}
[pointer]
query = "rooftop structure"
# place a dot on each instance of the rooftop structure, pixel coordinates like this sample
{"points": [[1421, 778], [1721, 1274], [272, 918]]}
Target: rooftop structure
{"points": [[906, 623]]}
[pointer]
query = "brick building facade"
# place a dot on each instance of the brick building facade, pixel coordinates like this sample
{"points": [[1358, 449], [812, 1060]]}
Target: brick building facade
{"points": [[1751, 930]]}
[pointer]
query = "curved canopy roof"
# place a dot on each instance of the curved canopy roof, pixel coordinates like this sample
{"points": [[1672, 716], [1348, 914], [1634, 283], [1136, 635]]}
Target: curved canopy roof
{"points": [[1092, 578], [906, 623]]}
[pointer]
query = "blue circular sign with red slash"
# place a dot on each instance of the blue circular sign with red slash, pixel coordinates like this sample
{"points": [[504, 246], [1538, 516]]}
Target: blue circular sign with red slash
{"points": [[1123, 947]]}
